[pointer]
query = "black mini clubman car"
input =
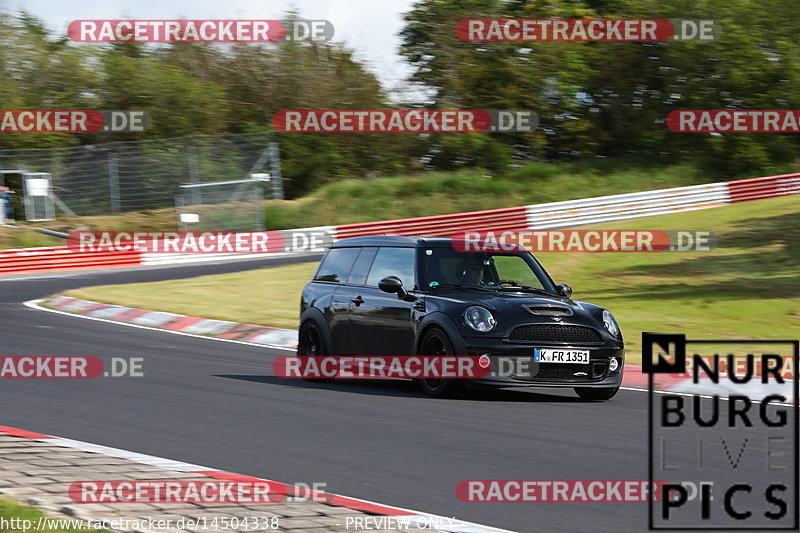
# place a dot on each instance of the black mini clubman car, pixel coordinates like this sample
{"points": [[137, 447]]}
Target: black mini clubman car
{"points": [[387, 295]]}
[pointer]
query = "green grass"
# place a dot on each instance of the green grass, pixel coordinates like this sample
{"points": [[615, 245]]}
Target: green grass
{"points": [[749, 287], [267, 296], [10, 510], [437, 193], [21, 237]]}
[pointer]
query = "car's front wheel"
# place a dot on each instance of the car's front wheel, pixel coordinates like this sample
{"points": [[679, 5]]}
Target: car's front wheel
{"points": [[310, 343], [589, 394], [436, 342]]}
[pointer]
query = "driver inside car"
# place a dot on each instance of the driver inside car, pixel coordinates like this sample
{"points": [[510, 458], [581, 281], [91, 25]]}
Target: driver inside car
{"points": [[470, 271]]}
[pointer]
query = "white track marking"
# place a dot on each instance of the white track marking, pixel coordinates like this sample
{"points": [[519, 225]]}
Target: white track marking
{"points": [[34, 304]]}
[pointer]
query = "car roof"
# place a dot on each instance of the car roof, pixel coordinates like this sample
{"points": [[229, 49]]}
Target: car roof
{"points": [[392, 240]]}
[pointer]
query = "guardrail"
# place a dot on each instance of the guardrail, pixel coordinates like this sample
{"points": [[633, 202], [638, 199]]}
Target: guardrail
{"points": [[758, 188], [439, 225], [294, 243], [57, 258], [625, 206], [540, 216]]}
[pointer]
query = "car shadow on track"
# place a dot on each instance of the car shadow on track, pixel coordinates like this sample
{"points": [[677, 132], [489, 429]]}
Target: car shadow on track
{"points": [[406, 388]]}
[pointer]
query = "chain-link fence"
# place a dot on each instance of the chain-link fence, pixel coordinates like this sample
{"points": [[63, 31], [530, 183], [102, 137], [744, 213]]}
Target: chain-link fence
{"points": [[111, 178]]}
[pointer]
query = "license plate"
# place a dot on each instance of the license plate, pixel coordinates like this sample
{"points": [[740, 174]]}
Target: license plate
{"points": [[546, 355]]}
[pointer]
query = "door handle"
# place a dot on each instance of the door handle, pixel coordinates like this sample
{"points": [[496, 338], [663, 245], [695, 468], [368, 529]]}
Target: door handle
{"points": [[358, 300]]}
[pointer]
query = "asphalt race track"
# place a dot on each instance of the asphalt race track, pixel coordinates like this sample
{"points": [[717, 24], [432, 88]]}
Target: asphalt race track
{"points": [[217, 404]]}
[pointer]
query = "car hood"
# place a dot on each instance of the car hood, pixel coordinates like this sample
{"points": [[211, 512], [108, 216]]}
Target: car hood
{"points": [[522, 308]]}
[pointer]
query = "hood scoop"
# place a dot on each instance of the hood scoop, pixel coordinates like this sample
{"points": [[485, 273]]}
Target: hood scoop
{"points": [[548, 310]]}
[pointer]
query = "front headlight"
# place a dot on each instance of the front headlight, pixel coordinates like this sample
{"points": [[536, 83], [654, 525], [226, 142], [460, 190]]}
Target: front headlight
{"points": [[610, 323], [479, 318]]}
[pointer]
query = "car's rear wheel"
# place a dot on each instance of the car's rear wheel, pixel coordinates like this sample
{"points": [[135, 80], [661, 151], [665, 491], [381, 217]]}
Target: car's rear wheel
{"points": [[589, 394], [310, 343], [437, 343]]}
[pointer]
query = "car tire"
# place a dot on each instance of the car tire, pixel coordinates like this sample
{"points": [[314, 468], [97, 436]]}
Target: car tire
{"points": [[436, 342], [311, 343], [589, 394]]}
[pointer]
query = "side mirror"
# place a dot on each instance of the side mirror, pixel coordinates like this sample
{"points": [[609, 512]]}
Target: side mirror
{"points": [[392, 285], [564, 289]]}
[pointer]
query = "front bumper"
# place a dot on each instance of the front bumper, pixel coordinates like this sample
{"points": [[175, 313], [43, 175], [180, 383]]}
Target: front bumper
{"points": [[513, 365]]}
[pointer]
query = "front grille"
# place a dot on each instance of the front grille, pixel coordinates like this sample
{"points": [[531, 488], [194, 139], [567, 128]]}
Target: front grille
{"points": [[561, 371], [555, 333], [565, 372]]}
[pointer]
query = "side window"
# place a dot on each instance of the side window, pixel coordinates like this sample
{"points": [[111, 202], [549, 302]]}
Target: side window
{"points": [[358, 275], [336, 265], [393, 262]]}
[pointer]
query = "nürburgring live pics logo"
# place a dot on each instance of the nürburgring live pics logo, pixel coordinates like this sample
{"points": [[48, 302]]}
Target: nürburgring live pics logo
{"points": [[726, 437]]}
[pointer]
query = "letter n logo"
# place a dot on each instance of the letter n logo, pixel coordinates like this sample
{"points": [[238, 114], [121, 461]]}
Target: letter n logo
{"points": [[669, 350]]}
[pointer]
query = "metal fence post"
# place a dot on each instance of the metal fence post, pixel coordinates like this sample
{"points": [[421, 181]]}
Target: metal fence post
{"points": [[258, 201], [113, 181], [179, 210], [194, 171], [275, 171]]}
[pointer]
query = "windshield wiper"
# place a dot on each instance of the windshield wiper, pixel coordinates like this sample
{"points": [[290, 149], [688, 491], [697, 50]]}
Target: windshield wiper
{"points": [[476, 287]]}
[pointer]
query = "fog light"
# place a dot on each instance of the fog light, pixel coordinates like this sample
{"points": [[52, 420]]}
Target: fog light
{"points": [[484, 361], [613, 365]]}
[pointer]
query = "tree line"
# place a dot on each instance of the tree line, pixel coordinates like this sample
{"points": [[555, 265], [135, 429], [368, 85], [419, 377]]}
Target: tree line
{"points": [[593, 99]]}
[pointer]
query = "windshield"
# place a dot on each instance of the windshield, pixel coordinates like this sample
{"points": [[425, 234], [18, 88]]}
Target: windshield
{"points": [[498, 271]]}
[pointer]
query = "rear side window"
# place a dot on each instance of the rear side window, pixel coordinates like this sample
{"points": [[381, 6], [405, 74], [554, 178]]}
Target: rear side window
{"points": [[336, 265], [358, 274], [393, 262]]}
